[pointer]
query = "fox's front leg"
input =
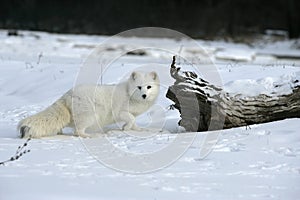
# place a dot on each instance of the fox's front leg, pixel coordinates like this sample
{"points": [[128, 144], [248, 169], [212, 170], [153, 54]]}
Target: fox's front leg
{"points": [[81, 133], [81, 124], [129, 120]]}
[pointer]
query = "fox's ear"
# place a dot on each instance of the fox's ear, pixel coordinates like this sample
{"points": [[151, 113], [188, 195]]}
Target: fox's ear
{"points": [[153, 75], [133, 75]]}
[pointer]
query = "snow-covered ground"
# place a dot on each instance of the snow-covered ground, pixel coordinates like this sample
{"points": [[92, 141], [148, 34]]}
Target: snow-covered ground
{"points": [[262, 162]]}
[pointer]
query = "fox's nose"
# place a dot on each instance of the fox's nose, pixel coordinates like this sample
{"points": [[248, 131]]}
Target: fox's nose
{"points": [[144, 96]]}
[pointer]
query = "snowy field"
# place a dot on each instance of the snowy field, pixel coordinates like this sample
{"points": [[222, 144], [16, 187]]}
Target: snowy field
{"points": [[260, 162]]}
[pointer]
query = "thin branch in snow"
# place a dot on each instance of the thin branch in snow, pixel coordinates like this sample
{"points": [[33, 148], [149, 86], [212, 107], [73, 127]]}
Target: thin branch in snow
{"points": [[39, 58], [19, 153]]}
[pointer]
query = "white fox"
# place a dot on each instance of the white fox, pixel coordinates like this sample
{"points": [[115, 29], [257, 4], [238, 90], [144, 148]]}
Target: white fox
{"points": [[95, 105]]}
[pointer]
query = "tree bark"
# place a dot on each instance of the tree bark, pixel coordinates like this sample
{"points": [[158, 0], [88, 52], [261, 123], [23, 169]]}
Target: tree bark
{"points": [[204, 106]]}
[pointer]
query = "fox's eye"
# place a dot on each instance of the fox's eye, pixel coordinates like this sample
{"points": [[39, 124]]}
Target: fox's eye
{"points": [[148, 87], [139, 87]]}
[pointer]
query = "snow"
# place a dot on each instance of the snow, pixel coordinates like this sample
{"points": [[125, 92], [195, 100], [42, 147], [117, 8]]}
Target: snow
{"points": [[269, 86], [260, 162], [235, 54]]}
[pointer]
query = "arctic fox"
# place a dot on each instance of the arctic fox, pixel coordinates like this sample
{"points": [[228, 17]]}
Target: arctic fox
{"points": [[95, 105]]}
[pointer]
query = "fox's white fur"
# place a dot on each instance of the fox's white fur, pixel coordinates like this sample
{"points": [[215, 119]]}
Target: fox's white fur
{"points": [[95, 105]]}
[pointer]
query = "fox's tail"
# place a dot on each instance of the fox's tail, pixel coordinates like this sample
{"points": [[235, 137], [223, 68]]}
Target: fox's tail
{"points": [[48, 122]]}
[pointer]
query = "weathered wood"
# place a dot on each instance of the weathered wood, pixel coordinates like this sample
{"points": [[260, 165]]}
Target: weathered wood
{"points": [[207, 107]]}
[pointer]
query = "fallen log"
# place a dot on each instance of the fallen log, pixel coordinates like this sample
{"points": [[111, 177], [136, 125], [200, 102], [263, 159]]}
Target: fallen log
{"points": [[204, 106]]}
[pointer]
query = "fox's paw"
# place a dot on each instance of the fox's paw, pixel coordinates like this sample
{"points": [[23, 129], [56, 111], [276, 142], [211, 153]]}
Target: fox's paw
{"points": [[83, 135], [131, 128], [136, 128]]}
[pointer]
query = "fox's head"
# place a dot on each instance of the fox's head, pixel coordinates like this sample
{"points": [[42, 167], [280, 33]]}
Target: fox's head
{"points": [[143, 86]]}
